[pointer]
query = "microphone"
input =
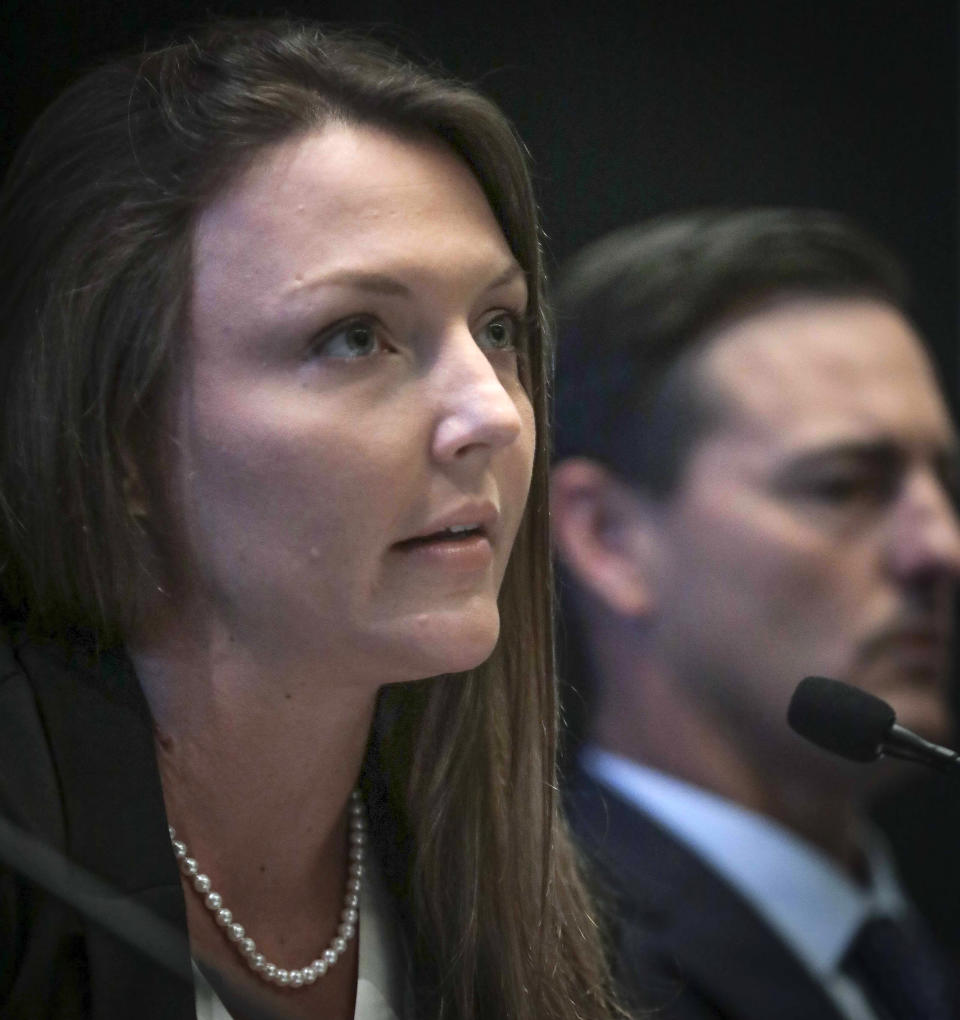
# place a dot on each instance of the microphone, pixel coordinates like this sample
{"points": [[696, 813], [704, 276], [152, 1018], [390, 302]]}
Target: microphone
{"points": [[859, 726]]}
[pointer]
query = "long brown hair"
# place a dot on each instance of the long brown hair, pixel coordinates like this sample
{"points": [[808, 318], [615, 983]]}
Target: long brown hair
{"points": [[97, 215]]}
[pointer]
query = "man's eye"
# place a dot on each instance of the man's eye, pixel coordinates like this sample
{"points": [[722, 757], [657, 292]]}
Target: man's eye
{"points": [[356, 338], [842, 489], [500, 333], [948, 472]]}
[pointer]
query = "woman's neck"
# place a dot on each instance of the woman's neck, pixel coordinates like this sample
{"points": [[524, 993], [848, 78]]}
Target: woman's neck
{"points": [[257, 759], [257, 762]]}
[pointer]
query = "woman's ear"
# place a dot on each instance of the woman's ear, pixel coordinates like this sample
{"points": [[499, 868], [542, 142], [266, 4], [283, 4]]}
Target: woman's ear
{"points": [[606, 535]]}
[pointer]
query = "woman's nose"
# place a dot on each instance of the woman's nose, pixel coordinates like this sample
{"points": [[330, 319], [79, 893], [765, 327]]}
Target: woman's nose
{"points": [[478, 410]]}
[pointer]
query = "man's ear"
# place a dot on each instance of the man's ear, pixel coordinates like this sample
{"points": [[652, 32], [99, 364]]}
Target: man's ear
{"points": [[606, 535]]}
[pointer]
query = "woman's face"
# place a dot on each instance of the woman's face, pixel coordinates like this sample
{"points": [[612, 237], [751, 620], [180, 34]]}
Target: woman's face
{"points": [[353, 444]]}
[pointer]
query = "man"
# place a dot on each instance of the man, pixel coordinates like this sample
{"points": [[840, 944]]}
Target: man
{"points": [[753, 484]]}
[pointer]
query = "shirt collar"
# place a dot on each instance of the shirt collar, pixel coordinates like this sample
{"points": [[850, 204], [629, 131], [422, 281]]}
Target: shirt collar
{"points": [[800, 892], [381, 982], [382, 986]]}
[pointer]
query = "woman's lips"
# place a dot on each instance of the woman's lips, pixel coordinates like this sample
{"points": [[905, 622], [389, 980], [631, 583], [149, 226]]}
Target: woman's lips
{"points": [[465, 550]]}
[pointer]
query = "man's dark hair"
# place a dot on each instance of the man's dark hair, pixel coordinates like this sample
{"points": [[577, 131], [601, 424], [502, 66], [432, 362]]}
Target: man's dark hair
{"points": [[635, 309]]}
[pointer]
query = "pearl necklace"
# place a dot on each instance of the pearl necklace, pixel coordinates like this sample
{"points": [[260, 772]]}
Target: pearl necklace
{"points": [[245, 945]]}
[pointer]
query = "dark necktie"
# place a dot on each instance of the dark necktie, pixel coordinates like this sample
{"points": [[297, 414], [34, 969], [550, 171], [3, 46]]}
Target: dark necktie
{"points": [[900, 971]]}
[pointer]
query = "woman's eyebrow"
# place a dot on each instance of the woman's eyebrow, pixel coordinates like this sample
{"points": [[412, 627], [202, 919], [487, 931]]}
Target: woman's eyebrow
{"points": [[376, 283], [507, 276], [380, 283]]}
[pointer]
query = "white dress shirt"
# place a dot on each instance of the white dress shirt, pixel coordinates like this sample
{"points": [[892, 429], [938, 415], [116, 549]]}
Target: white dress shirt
{"points": [[381, 980], [814, 906]]}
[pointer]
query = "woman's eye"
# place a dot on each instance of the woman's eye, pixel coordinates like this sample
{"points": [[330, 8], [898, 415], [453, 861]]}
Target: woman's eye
{"points": [[500, 333], [356, 338]]}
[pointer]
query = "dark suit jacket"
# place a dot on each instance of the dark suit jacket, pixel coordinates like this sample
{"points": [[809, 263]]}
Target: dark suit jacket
{"points": [[77, 768], [687, 944]]}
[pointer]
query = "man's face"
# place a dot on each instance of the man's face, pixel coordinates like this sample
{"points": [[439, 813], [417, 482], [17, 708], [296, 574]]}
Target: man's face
{"points": [[813, 531]]}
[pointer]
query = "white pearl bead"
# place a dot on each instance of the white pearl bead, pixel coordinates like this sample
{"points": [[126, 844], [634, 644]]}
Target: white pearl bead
{"points": [[235, 932]]}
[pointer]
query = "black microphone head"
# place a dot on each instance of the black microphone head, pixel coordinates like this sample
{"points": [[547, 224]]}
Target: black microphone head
{"points": [[840, 718]]}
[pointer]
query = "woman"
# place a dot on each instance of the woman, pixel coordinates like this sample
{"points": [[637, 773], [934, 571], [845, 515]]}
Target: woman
{"points": [[273, 362]]}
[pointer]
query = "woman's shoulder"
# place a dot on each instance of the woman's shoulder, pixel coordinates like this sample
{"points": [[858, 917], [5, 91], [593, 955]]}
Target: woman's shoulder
{"points": [[57, 703], [29, 791], [30, 799], [78, 774]]}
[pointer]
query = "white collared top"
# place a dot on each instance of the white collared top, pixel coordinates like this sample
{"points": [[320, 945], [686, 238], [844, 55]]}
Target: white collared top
{"points": [[381, 981]]}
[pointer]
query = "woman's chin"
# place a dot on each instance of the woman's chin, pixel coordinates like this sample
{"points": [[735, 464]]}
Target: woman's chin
{"points": [[455, 642]]}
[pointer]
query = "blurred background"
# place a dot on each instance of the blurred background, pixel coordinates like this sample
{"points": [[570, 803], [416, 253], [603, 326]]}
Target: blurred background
{"points": [[636, 108]]}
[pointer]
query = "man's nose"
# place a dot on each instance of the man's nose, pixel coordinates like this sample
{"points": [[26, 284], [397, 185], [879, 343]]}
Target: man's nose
{"points": [[477, 410], [926, 535]]}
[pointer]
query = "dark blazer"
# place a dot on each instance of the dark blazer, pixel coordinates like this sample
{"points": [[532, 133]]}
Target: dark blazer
{"points": [[687, 944], [78, 769]]}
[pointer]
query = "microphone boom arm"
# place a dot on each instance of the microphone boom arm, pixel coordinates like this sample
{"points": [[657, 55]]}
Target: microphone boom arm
{"points": [[905, 745]]}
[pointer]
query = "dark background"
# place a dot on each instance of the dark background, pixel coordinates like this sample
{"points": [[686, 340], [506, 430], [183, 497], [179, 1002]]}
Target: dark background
{"points": [[636, 108]]}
